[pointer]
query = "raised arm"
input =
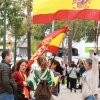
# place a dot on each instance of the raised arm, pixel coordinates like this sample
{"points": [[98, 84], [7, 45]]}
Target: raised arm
{"points": [[95, 61]]}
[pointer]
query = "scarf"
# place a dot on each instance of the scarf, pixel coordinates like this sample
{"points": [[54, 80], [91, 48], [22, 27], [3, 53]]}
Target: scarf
{"points": [[25, 90], [34, 80]]}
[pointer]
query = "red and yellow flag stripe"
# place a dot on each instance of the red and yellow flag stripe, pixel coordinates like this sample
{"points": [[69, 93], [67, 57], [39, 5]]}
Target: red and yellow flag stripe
{"points": [[50, 43]]}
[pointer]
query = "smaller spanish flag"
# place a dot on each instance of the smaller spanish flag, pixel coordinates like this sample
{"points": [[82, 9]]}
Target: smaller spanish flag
{"points": [[56, 79], [50, 43], [54, 40]]}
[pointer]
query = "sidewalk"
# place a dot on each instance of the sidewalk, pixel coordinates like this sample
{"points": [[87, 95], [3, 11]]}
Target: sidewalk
{"points": [[65, 94]]}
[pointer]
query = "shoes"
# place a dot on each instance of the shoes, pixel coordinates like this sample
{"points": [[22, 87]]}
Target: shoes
{"points": [[74, 90], [70, 90]]}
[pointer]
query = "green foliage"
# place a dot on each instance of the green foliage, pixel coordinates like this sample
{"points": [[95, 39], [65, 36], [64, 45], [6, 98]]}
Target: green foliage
{"points": [[14, 15], [60, 24], [83, 29], [34, 45], [38, 32]]}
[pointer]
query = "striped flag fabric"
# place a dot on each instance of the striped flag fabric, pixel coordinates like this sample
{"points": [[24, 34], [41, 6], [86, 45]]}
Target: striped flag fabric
{"points": [[45, 11], [56, 39]]}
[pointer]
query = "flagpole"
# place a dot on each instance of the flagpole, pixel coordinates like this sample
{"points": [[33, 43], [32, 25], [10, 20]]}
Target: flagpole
{"points": [[4, 35], [53, 25]]}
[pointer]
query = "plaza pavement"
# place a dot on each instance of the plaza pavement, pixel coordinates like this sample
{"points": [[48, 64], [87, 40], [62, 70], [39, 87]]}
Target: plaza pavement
{"points": [[65, 94]]}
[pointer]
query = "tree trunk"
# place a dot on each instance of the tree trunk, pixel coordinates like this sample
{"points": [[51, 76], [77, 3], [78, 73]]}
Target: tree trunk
{"points": [[65, 58], [29, 44], [70, 36], [29, 21]]}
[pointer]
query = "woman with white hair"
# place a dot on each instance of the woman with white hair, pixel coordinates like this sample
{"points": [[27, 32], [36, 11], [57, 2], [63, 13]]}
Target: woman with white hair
{"points": [[91, 77]]}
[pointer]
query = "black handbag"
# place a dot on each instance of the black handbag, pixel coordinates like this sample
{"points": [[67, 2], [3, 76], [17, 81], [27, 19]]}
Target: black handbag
{"points": [[19, 95]]}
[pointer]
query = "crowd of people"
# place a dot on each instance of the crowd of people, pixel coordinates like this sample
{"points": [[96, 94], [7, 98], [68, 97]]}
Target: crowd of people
{"points": [[23, 83]]}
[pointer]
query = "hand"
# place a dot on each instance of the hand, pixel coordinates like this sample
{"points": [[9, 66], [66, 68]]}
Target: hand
{"points": [[78, 66], [25, 83], [95, 48], [95, 45]]}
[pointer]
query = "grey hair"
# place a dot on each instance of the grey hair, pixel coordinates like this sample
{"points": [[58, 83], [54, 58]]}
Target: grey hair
{"points": [[89, 61]]}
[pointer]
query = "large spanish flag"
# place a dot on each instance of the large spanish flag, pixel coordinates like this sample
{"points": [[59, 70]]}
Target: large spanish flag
{"points": [[50, 43], [44, 11], [56, 38]]}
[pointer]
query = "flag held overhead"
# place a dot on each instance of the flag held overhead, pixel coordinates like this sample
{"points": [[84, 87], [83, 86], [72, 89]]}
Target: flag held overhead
{"points": [[45, 11], [56, 39], [50, 43]]}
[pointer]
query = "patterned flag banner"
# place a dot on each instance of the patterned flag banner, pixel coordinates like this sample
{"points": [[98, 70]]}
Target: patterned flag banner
{"points": [[44, 11]]}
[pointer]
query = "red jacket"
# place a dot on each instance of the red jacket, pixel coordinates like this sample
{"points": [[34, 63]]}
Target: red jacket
{"points": [[18, 78]]}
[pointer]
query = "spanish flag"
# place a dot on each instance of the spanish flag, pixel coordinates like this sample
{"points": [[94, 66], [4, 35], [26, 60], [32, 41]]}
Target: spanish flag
{"points": [[56, 39], [44, 11], [50, 43], [56, 79]]}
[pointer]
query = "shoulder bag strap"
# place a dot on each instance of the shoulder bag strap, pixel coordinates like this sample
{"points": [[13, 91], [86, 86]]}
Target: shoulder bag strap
{"points": [[70, 71]]}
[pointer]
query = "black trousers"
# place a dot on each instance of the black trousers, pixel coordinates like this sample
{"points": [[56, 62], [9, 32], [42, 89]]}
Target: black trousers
{"points": [[72, 83], [58, 87], [63, 79], [68, 82]]}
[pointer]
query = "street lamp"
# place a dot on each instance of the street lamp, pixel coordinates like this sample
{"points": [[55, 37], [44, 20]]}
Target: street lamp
{"points": [[4, 36], [15, 43]]}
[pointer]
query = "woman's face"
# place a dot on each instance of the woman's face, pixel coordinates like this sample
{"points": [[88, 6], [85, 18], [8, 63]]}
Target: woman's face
{"points": [[49, 63], [23, 67], [86, 65], [53, 66]]}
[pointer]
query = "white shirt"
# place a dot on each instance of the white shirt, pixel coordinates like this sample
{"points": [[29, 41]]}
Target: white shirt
{"points": [[91, 79], [74, 72]]}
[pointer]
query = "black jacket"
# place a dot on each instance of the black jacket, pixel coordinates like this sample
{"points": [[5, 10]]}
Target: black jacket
{"points": [[7, 83], [59, 69]]}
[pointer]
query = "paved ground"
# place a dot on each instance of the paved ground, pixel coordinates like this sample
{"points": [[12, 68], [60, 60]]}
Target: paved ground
{"points": [[65, 94]]}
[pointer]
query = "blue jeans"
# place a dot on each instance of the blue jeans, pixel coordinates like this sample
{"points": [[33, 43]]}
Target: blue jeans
{"points": [[89, 98], [92, 97], [6, 96]]}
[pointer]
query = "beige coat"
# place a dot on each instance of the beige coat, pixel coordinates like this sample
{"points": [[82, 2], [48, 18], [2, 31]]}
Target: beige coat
{"points": [[91, 79]]}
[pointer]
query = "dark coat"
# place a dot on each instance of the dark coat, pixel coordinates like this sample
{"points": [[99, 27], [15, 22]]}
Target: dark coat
{"points": [[7, 83], [59, 69]]}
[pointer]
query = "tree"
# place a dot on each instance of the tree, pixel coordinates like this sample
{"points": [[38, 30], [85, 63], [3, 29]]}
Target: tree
{"points": [[38, 31], [15, 17], [34, 45]]}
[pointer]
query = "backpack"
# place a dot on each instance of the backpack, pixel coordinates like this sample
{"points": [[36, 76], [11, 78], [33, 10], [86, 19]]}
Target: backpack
{"points": [[43, 91]]}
